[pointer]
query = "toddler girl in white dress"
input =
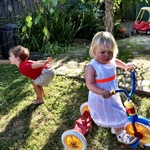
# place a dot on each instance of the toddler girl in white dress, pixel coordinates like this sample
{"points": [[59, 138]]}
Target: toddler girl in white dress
{"points": [[106, 109]]}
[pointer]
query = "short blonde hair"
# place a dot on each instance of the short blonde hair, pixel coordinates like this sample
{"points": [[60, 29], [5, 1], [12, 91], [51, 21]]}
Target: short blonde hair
{"points": [[20, 51], [106, 41]]}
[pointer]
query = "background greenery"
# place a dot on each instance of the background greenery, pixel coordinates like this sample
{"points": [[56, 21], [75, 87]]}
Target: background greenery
{"points": [[60, 23]]}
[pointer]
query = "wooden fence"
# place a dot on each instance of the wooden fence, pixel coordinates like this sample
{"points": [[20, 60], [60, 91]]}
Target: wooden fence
{"points": [[11, 9]]}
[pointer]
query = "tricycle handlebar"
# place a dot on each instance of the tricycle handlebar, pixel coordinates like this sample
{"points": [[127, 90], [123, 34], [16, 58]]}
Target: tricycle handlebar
{"points": [[132, 89]]}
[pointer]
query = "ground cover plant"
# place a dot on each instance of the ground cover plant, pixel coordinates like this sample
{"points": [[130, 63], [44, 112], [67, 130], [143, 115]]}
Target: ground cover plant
{"points": [[27, 127]]}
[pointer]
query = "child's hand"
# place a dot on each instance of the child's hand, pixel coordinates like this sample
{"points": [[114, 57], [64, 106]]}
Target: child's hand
{"points": [[49, 59], [128, 67], [106, 93]]}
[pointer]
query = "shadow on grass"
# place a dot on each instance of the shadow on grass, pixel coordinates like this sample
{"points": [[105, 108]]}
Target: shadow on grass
{"points": [[69, 114], [13, 94], [13, 88], [17, 130], [69, 100]]}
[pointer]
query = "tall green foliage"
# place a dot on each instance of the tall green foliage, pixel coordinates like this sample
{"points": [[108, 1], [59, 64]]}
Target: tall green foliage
{"points": [[47, 24], [89, 25], [87, 18], [33, 31], [33, 28], [57, 23]]}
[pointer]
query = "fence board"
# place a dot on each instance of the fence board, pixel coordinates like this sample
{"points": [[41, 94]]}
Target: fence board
{"points": [[10, 9]]}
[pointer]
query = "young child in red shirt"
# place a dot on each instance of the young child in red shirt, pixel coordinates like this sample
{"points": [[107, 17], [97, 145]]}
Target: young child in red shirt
{"points": [[40, 72]]}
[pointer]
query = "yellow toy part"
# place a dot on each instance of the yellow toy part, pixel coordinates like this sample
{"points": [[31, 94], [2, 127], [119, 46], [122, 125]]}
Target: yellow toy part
{"points": [[129, 104]]}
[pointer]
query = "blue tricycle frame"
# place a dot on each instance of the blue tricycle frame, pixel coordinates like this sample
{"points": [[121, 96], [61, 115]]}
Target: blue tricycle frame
{"points": [[140, 126]]}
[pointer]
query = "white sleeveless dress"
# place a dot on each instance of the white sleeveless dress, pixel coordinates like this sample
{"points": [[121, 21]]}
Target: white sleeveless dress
{"points": [[106, 112]]}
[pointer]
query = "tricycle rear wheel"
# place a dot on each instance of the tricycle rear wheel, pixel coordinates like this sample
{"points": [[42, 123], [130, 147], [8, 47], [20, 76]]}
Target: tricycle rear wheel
{"points": [[73, 140], [84, 107]]}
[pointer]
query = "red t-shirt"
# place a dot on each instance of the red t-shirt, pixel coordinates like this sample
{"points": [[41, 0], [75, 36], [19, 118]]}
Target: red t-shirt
{"points": [[26, 70]]}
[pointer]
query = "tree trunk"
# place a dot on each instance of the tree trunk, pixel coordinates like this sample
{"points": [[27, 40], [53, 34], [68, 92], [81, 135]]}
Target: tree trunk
{"points": [[109, 16], [121, 11]]}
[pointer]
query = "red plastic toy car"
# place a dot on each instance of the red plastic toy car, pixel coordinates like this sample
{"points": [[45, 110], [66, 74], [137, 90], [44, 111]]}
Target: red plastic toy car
{"points": [[142, 24]]}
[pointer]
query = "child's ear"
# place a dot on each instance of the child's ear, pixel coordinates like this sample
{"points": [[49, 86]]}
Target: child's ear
{"points": [[18, 58]]}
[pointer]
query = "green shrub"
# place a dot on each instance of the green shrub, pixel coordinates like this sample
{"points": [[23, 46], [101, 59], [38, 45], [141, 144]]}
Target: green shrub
{"points": [[50, 24], [43, 26], [61, 28], [125, 55], [88, 22], [32, 32]]}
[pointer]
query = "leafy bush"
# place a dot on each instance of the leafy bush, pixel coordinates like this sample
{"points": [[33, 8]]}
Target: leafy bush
{"points": [[88, 22], [50, 24], [125, 55], [61, 28], [87, 18], [32, 33]]}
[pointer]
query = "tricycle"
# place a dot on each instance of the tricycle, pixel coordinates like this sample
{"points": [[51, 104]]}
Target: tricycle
{"points": [[138, 126]]}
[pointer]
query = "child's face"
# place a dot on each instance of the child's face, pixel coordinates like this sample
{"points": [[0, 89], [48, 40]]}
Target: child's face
{"points": [[103, 56], [13, 59]]}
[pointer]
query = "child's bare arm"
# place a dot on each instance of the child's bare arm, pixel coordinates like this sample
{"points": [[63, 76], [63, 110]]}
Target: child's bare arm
{"points": [[49, 59], [123, 65], [41, 63]]}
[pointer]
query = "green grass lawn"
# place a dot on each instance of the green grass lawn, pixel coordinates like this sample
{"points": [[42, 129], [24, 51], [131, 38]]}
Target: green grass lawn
{"points": [[27, 127], [24, 126]]}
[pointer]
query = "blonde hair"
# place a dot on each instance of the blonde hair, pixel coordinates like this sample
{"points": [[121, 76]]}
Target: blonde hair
{"points": [[106, 41], [20, 51]]}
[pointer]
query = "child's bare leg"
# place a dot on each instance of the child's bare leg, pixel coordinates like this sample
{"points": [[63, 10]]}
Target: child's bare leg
{"points": [[39, 92], [43, 91], [119, 130]]}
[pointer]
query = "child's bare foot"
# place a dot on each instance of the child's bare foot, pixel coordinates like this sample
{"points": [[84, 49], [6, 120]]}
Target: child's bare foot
{"points": [[38, 102]]}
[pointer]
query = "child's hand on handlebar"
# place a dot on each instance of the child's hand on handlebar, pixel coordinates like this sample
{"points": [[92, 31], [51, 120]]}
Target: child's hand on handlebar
{"points": [[128, 67], [106, 93]]}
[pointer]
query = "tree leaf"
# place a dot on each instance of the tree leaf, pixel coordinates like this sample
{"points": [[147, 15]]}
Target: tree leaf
{"points": [[46, 32], [28, 18], [37, 19]]}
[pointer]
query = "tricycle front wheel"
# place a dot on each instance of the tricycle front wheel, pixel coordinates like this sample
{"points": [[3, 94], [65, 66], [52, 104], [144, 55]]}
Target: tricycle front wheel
{"points": [[143, 129]]}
